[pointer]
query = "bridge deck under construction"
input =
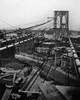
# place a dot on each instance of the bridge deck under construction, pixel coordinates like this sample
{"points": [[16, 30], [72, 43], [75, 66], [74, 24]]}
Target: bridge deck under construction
{"points": [[40, 64]]}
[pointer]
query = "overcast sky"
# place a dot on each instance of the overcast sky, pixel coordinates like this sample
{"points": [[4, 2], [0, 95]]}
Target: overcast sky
{"points": [[30, 12]]}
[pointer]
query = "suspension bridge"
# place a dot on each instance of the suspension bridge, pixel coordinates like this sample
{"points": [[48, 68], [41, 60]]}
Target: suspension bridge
{"points": [[58, 27]]}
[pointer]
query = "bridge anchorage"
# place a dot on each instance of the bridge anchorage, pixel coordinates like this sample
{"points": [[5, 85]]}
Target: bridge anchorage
{"points": [[40, 64]]}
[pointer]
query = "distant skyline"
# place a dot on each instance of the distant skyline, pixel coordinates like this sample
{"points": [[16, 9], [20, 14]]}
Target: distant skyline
{"points": [[32, 12]]}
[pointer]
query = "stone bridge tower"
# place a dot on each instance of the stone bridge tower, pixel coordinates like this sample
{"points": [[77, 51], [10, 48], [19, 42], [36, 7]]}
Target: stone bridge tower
{"points": [[61, 23]]}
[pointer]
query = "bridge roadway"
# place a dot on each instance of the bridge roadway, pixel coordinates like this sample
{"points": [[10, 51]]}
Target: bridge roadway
{"points": [[35, 75], [15, 41]]}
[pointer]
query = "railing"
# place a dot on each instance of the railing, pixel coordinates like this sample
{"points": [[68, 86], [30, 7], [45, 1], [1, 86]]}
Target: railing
{"points": [[76, 58], [17, 40]]}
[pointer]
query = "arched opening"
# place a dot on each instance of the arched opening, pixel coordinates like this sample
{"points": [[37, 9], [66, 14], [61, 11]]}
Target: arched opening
{"points": [[63, 20], [58, 22]]}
